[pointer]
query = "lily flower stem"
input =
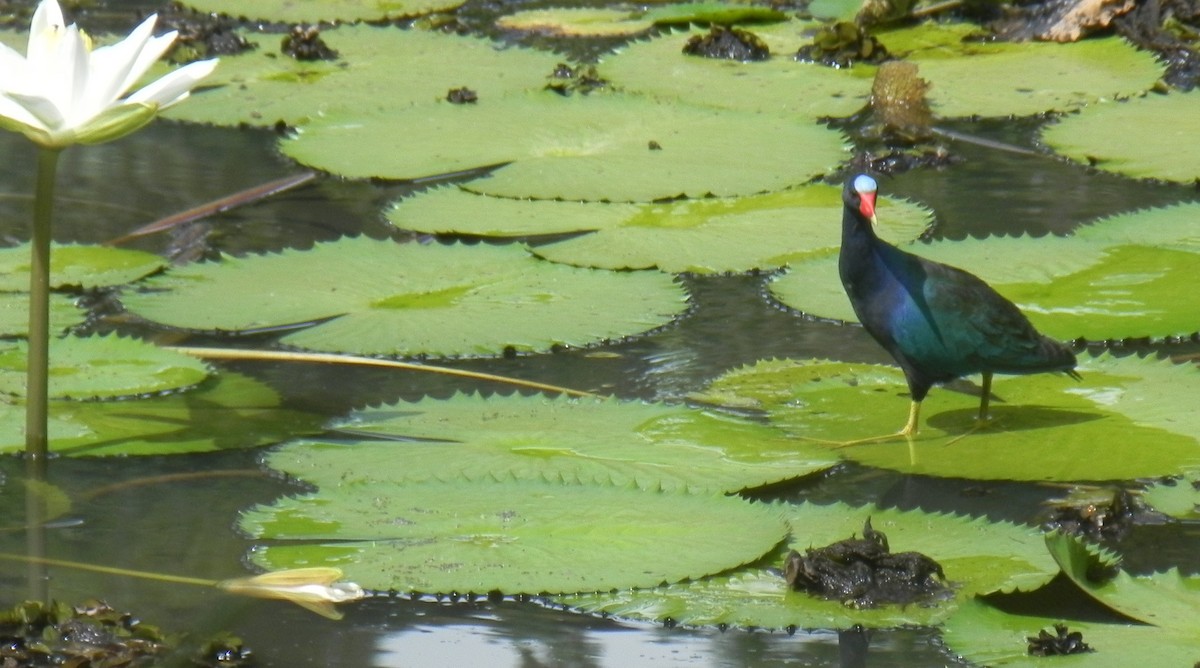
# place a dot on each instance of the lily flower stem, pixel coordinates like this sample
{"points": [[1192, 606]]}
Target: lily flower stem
{"points": [[38, 361]]}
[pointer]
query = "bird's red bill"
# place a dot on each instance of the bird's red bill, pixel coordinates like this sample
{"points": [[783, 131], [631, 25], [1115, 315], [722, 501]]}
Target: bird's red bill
{"points": [[866, 205]]}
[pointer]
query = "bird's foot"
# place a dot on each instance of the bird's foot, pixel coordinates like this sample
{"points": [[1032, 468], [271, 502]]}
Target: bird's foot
{"points": [[905, 434], [981, 422]]}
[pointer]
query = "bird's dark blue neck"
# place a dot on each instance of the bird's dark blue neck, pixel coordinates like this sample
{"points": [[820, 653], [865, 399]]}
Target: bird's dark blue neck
{"points": [[858, 242]]}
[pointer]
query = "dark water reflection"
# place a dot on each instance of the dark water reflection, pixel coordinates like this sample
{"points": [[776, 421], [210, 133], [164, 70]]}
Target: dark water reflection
{"points": [[138, 513]]}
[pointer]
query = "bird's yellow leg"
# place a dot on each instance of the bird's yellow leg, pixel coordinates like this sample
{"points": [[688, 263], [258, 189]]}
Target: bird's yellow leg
{"points": [[914, 412], [908, 432]]}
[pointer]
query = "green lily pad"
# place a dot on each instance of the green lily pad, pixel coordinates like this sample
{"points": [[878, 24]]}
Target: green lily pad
{"points": [[98, 367], [14, 313], [514, 536], [596, 147], [990, 78], [407, 299], [708, 236], [987, 636], [1169, 600], [1177, 497], [78, 266], [576, 21], [701, 236], [653, 446], [319, 11], [452, 210], [227, 411], [978, 557], [1126, 276], [779, 85], [263, 86], [1128, 418], [1148, 137], [722, 13]]}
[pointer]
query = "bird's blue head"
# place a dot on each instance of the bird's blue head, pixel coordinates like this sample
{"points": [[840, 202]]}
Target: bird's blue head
{"points": [[866, 188]]}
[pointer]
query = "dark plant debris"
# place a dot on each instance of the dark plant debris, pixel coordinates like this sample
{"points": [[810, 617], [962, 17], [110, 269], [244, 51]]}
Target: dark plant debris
{"points": [[841, 45], [201, 36], [729, 44], [566, 80], [94, 635], [462, 95], [1107, 522], [1060, 643], [304, 43], [1059, 20], [864, 573]]}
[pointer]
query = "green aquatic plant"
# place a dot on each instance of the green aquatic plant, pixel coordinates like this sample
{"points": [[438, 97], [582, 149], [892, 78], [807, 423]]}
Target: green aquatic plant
{"points": [[226, 411], [978, 557], [386, 298], [1164, 605], [1150, 137], [323, 11], [511, 536], [982, 77], [379, 71], [756, 232], [612, 147], [598, 441], [657, 67]]}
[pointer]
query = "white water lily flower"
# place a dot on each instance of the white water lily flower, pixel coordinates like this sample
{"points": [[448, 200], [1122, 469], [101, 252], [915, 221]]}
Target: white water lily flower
{"points": [[62, 92], [316, 588]]}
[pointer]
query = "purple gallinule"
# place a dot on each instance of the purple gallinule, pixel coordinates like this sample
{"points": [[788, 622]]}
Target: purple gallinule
{"points": [[938, 321]]}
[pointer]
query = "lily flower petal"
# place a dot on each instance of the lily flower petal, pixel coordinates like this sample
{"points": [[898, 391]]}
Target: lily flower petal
{"points": [[112, 66], [315, 589], [175, 86]]}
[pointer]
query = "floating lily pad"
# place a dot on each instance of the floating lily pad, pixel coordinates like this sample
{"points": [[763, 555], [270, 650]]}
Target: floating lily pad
{"points": [[1126, 276], [702, 236], [98, 367], [727, 235], [380, 70], [408, 299], [779, 85], [78, 266], [989, 78], [1177, 497], [653, 446], [1128, 418], [987, 636], [227, 411], [723, 13], [577, 21], [1148, 137], [597, 147], [978, 557], [318, 11], [452, 210], [14, 313], [514, 537], [1169, 600]]}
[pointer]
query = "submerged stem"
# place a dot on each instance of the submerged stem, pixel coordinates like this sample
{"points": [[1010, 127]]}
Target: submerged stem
{"points": [[110, 570], [331, 358], [38, 360]]}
